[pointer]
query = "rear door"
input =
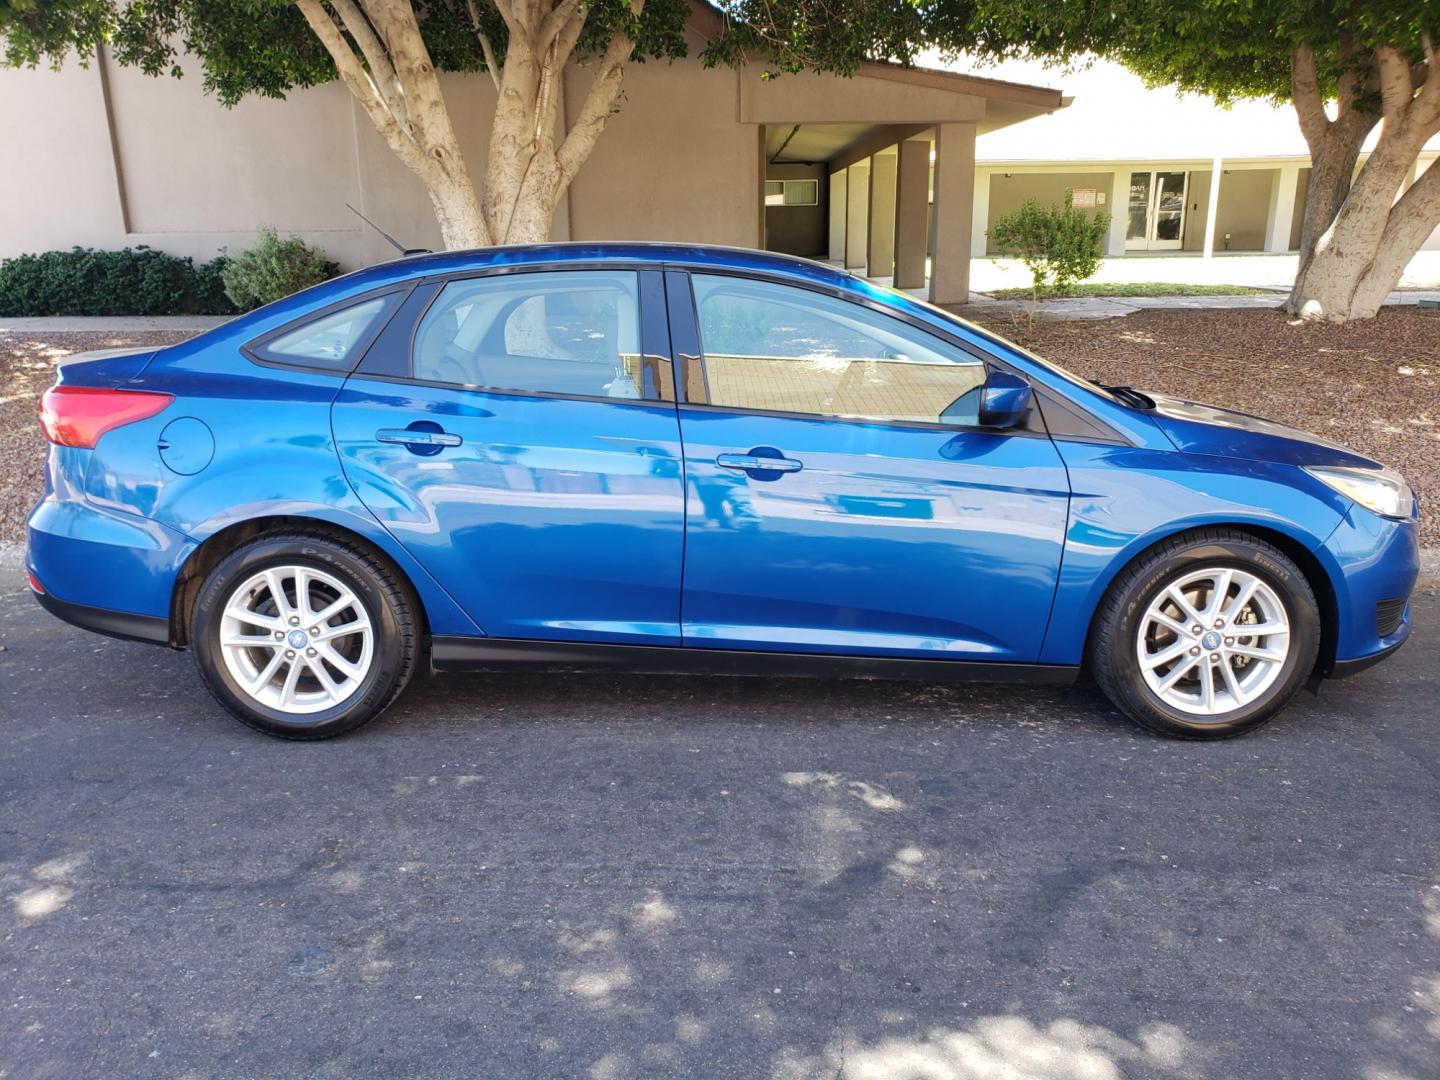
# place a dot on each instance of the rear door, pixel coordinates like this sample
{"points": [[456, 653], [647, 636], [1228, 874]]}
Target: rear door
{"points": [[842, 497], [517, 433]]}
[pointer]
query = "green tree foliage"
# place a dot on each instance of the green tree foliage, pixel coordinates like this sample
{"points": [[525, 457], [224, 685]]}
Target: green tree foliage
{"points": [[274, 268], [1059, 245], [1373, 61]]}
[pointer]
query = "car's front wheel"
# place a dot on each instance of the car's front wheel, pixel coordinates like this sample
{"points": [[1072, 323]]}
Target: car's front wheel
{"points": [[1206, 636], [303, 636]]}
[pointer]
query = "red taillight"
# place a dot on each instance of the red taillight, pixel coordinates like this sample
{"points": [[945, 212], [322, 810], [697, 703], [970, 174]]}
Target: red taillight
{"points": [[79, 415], [35, 583]]}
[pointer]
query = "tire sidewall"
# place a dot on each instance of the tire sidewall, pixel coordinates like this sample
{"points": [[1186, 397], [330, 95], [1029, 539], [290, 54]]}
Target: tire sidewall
{"points": [[238, 567], [1295, 596]]}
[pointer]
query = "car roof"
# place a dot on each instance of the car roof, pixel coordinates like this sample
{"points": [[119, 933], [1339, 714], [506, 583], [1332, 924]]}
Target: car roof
{"points": [[701, 255]]}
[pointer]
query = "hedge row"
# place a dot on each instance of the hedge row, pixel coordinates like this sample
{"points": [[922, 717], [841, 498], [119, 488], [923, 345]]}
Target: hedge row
{"points": [[143, 281], [133, 281]]}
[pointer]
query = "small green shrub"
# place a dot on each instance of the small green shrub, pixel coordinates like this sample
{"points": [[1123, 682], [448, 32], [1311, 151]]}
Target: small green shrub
{"points": [[274, 268], [132, 281], [1059, 245]]}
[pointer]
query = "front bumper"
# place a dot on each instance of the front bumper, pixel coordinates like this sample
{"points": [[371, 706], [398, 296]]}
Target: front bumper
{"points": [[1343, 669], [1375, 561]]}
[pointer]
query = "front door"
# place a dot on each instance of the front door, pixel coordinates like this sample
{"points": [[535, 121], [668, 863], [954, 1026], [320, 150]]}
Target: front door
{"points": [[1156, 211], [525, 449], [840, 495]]}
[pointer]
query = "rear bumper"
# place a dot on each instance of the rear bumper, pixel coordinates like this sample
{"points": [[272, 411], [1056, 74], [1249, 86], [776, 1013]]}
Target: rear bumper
{"points": [[116, 624], [89, 559]]}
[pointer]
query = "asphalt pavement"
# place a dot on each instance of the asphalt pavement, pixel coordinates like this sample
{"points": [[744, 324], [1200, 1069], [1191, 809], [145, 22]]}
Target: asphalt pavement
{"points": [[535, 876]]}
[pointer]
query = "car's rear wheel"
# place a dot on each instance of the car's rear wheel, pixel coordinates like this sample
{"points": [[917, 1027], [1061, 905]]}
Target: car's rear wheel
{"points": [[1206, 636], [303, 636]]}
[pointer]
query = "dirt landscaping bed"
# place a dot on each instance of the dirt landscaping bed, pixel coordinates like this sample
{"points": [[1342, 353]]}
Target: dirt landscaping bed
{"points": [[1374, 387]]}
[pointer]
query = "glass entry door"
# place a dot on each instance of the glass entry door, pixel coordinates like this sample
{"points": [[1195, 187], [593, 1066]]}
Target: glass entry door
{"points": [[1156, 210]]}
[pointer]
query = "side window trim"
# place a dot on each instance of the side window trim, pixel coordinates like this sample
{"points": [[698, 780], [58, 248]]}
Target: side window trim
{"points": [[690, 383], [683, 310], [255, 350]]}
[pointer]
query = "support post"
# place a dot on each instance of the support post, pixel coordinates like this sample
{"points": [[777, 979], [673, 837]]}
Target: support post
{"points": [[838, 209], [857, 207], [1119, 213], [953, 214], [1282, 208], [912, 213], [980, 215], [880, 256], [1212, 209]]}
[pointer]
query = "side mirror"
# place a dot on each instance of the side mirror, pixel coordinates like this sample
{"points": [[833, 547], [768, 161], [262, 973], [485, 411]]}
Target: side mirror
{"points": [[1005, 400]]}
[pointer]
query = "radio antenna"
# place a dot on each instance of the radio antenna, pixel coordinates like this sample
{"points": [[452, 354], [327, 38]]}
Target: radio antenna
{"points": [[388, 238]]}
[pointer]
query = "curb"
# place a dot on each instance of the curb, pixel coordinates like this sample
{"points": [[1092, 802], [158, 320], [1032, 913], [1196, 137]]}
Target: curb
{"points": [[108, 324]]}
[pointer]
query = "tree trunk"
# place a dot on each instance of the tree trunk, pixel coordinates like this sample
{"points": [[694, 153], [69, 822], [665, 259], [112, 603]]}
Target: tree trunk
{"points": [[381, 57], [1357, 238]]}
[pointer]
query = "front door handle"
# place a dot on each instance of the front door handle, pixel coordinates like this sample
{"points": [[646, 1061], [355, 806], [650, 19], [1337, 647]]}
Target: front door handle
{"points": [[427, 439], [418, 438], [759, 462]]}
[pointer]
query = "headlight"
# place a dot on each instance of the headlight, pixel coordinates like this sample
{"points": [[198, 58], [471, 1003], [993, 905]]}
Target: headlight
{"points": [[1381, 491]]}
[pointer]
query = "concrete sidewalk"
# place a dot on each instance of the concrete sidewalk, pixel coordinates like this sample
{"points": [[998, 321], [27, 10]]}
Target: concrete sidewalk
{"points": [[1107, 307]]}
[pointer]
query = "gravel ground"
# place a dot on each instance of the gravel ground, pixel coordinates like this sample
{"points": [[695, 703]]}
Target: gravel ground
{"points": [[1374, 387]]}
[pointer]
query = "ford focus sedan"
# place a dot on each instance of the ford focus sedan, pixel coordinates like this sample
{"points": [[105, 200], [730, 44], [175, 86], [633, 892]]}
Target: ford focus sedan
{"points": [[660, 458]]}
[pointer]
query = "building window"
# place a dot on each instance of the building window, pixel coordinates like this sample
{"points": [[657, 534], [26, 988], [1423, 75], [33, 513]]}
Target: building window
{"points": [[792, 192]]}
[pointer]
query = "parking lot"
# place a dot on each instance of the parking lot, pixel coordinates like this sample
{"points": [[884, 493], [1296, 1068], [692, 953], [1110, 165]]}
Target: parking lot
{"points": [[610, 877]]}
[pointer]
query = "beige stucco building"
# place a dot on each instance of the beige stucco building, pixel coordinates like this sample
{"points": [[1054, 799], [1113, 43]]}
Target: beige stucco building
{"points": [[106, 157]]}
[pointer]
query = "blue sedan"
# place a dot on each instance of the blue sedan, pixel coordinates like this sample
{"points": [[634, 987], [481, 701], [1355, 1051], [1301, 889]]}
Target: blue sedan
{"points": [[666, 458]]}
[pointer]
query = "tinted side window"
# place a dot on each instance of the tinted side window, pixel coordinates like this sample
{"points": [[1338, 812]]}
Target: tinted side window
{"points": [[575, 333], [778, 348], [331, 342]]}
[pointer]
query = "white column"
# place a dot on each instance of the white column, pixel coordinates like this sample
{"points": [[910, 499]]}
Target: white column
{"points": [[1119, 212], [953, 213], [857, 214], [980, 220], [837, 216], [1282, 208], [880, 250], [1213, 209]]}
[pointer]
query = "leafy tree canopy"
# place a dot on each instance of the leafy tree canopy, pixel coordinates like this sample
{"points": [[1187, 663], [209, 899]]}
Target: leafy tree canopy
{"points": [[266, 48], [1228, 49]]}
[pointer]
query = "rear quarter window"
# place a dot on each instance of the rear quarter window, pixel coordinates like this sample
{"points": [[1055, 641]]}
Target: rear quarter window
{"points": [[333, 340]]}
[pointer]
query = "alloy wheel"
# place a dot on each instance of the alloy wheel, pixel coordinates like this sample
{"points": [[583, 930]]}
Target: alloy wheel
{"points": [[1213, 641], [296, 639]]}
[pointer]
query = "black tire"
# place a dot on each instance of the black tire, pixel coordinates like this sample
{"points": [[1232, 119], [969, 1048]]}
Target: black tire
{"points": [[1112, 648], [388, 602]]}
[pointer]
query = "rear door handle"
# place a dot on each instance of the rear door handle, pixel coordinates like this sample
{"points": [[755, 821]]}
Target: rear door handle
{"points": [[758, 463], [418, 437]]}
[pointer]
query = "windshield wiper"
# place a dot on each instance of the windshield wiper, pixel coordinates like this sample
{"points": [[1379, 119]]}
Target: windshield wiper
{"points": [[1129, 396]]}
